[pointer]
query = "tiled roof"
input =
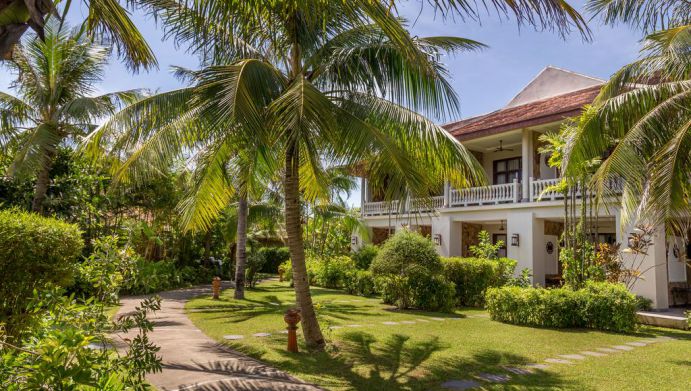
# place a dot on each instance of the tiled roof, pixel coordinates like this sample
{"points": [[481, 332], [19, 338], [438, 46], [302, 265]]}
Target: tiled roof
{"points": [[539, 112]]}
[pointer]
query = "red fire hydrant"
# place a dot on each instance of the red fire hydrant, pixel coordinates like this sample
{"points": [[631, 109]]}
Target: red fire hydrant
{"points": [[292, 317], [216, 287]]}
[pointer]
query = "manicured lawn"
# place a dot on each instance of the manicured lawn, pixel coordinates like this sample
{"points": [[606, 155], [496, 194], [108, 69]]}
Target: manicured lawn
{"points": [[422, 355]]}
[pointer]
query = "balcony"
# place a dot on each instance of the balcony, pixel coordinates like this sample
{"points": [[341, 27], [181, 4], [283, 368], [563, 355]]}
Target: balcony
{"points": [[509, 193]]}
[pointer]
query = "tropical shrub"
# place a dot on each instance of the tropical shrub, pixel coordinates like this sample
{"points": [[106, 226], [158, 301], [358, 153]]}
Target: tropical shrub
{"points": [[472, 277], [68, 348], [485, 249], [35, 253], [104, 272], [273, 258], [330, 272], [150, 277], [405, 250], [286, 269], [360, 282], [255, 263], [598, 305], [408, 273], [364, 256]]}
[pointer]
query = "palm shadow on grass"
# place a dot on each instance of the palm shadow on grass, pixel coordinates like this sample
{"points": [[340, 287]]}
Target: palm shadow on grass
{"points": [[360, 362]]}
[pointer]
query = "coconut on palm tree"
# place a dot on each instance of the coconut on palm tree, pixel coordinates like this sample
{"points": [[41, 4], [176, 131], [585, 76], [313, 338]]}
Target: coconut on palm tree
{"points": [[642, 118], [56, 101]]}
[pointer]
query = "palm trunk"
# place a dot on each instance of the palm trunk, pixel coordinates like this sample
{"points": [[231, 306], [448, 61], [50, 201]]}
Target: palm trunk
{"points": [[241, 250], [42, 182], [310, 326]]}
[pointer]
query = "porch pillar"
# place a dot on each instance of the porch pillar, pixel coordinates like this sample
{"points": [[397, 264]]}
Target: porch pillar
{"points": [[654, 282], [526, 162], [531, 241], [450, 235]]}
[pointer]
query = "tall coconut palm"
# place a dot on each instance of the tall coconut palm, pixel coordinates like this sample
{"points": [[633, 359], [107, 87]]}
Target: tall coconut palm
{"points": [[55, 104], [642, 117], [106, 20], [328, 83]]}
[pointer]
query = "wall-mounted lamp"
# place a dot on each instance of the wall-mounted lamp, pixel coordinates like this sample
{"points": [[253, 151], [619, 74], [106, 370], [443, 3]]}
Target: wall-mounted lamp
{"points": [[437, 239], [514, 240], [353, 240]]}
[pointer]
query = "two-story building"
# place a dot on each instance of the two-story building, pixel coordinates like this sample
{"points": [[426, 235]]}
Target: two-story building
{"points": [[514, 207]]}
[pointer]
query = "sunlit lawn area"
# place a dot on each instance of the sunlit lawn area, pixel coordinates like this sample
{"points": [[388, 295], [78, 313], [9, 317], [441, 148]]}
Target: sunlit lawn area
{"points": [[422, 355]]}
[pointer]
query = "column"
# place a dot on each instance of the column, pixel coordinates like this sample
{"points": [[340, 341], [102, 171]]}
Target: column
{"points": [[653, 283], [526, 162], [530, 240], [450, 232]]}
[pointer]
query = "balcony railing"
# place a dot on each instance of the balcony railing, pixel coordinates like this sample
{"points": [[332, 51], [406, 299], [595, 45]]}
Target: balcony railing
{"points": [[508, 193], [540, 189], [488, 195]]}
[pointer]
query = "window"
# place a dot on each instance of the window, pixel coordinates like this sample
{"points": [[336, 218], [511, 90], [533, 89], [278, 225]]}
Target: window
{"points": [[506, 170]]}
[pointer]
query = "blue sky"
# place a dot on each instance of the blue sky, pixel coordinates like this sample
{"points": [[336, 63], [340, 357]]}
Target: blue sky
{"points": [[484, 80]]}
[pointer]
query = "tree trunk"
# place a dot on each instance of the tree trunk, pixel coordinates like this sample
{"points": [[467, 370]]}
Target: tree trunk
{"points": [[310, 326], [42, 182], [241, 249]]}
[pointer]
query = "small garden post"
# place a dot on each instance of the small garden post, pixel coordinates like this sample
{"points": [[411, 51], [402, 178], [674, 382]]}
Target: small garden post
{"points": [[292, 317], [216, 287]]}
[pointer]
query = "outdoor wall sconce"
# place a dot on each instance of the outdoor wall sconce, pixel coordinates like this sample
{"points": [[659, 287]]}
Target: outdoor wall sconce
{"points": [[353, 240], [514, 240], [437, 239]]}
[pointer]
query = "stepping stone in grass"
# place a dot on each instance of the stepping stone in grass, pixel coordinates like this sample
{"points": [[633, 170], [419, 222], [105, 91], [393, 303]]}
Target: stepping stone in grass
{"points": [[558, 361], [335, 327], [353, 325], [608, 350], [460, 384], [233, 337], [422, 320], [664, 338], [390, 323], [572, 356], [272, 303], [261, 335], [541, 367], [283, 331], [408, 322], [519, 370], [637, 344], [623, 347], [593, 354], [493, 377], [438, 319]]}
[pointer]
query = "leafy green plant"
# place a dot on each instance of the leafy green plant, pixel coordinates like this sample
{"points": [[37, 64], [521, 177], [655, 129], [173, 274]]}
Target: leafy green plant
{"points": [[473, 276], [485, 249], [35, 253], [359, 282], [404, 250], [364, 256], [598, 305], [104, 272], [69, 348], [274, 256]]}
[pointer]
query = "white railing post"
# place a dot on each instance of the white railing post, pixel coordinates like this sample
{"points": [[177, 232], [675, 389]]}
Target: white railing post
{"points": [[407, 204], [531, 189], [447, 194], [515, 190]]}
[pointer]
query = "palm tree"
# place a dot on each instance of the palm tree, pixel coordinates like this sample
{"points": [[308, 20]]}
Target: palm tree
{"points": [[641, 118], [328, 84], [106, 20], [56, 78]]}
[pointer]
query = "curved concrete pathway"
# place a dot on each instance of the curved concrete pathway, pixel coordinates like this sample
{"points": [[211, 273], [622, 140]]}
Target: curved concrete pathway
{"points": [[193, 361]]}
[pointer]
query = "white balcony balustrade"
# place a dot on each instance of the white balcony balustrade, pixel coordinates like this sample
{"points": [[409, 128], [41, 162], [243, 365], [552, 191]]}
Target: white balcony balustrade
{"points": [[540, 189], [487, 195]]}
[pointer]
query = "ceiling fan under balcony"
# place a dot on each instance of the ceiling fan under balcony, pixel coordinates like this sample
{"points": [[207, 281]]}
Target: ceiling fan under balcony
{"points": [[501, 148]]}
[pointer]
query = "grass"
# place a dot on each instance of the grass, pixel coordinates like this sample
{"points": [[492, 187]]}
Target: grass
{"points": [[421, 356]]}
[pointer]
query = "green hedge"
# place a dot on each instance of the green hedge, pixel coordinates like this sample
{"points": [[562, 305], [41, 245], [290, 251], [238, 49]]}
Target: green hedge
{"points": [[360, 282], [35, 253], [150, 277], [473, 276], [273, 258], [364, 256], [602, 306]]}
